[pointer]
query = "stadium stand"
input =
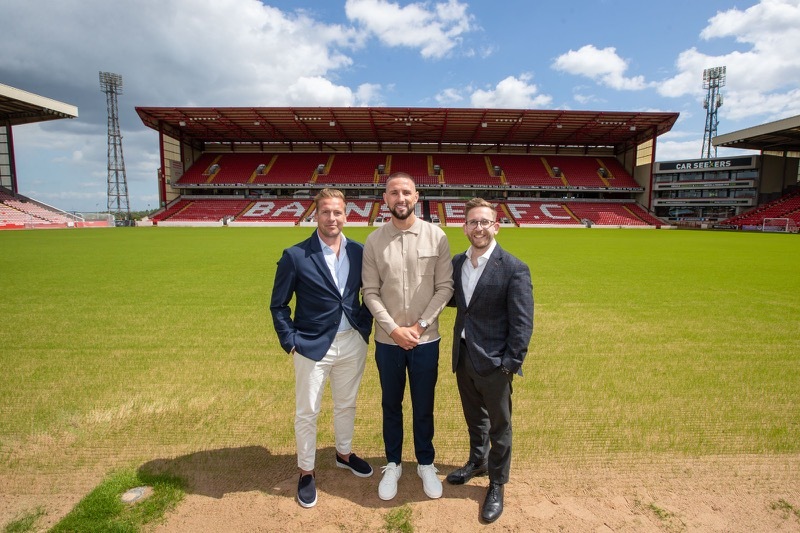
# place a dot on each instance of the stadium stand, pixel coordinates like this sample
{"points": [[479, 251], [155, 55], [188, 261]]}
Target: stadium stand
{"points": [[283, 212], [195, 174], [617, 176], [22, 211], [241, 168], [446, 212], [293, 168], [454, 169], [605, 214], [507, 156], [353, 168], [644, 215], [201, 210], [417, 166], [464, 169], [524, 171], [439, 214], [577, 171], [540, 213], [787, 206], [12, 218], [360, 212]]}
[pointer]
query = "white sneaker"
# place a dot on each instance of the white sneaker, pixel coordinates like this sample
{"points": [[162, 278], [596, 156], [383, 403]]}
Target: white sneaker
{"points": [[430, 483], [387, 489]]}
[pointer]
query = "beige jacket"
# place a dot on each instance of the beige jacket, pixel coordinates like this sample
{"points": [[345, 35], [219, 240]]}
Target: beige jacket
{"points": [[406, 276]]}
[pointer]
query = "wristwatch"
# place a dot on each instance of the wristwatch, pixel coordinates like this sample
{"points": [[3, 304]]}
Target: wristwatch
{"points": [[423, 324]]}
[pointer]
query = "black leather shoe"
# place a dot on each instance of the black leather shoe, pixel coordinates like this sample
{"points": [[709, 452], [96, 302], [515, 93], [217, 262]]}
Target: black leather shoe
{"points": [[493, 504], [466, 472]]}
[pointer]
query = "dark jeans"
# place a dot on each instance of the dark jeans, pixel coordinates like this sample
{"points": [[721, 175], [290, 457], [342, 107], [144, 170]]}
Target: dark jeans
{"points": [[422, 364]]}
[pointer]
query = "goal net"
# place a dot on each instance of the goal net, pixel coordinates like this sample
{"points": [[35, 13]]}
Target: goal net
{"points": [[779, 225]]}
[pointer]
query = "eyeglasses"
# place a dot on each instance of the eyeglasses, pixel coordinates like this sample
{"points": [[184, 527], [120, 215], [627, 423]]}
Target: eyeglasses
{"points": [[484, 224]]}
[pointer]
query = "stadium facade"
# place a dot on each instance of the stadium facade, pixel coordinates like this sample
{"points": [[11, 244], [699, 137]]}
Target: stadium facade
{"points": [[542, 167], [724, 191]]}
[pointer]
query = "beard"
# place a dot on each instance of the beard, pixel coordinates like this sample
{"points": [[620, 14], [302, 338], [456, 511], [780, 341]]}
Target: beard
{"points": [[402, 216]]}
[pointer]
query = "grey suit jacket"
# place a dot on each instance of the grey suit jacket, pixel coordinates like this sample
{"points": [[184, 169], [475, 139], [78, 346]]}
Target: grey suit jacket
{"points": [[499, 318]]}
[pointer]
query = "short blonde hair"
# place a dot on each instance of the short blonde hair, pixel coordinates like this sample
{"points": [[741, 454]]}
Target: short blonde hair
{"points": [[329, 193]]}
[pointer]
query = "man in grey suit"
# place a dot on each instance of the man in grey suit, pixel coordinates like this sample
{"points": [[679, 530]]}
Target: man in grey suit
{"points": [[494, 322]]}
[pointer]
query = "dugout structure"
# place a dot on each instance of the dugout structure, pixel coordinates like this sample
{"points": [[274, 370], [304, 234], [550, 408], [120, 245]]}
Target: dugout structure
{"points": [[186, 134]]}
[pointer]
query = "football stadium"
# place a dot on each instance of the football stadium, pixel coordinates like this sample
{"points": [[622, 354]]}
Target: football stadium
{"points": [[660, 392]]}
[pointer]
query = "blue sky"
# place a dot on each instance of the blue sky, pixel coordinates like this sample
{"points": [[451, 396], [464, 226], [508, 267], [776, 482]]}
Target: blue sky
{"points": [[593, 54]]}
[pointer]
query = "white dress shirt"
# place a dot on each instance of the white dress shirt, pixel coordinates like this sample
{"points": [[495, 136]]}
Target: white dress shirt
{"points": [[470, 275], [340, 270]]}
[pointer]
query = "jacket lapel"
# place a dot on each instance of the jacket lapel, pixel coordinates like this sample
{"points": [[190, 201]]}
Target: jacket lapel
{"points": [[490, 271], [461, 301], [317, 257], [354, 276]]}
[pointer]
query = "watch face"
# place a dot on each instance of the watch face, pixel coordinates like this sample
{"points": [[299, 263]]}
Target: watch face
{"points": [[423, 324]]}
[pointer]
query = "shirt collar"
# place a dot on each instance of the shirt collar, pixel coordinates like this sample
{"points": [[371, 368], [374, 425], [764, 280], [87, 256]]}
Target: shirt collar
{"points": [[483, 258], [328, 248], [415, 228]]}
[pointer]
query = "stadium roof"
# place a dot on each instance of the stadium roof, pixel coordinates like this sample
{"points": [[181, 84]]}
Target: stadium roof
{"points": [[779, 136], [21, 107], [441, 126]]}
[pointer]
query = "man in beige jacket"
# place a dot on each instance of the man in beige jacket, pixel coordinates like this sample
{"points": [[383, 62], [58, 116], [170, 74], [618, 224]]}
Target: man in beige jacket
{"points": [[407, 279]]}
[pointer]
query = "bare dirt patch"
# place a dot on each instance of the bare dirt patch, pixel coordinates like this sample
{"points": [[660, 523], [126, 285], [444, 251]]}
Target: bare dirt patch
{"points": [[722, 494], [736, 493], [250, 490]]}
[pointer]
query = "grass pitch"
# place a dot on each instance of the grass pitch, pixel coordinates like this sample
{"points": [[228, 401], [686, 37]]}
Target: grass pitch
{"points": [[125, 346]]}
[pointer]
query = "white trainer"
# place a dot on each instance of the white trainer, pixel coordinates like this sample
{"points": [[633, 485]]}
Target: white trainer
{"points": [[387, 489], [430, 483]]}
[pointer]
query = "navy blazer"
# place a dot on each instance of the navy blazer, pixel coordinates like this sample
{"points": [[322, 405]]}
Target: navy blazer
{"points": [[499, 318], [302, 272]]}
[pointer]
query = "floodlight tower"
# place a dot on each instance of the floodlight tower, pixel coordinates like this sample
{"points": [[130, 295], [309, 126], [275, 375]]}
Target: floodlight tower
{"points": [[713, 81], [111, 84]]}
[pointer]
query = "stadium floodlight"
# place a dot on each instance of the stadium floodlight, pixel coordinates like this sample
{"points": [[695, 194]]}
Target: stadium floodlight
{"points": [[111, 82], [713, 80], [118, 202]]}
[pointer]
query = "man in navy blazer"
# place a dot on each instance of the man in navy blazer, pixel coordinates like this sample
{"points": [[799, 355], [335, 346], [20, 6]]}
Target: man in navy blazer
{"points": [[493, 326], [327, 337]]}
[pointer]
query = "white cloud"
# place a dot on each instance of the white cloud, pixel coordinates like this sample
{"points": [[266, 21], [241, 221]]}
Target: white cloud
{"points": [[580, 95], [369, 94], [512, 92], [602, 65], [198, 52], [320, 90], [669, 150], [435, 31], [763, 78], [182, 52], [449, 96]]}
